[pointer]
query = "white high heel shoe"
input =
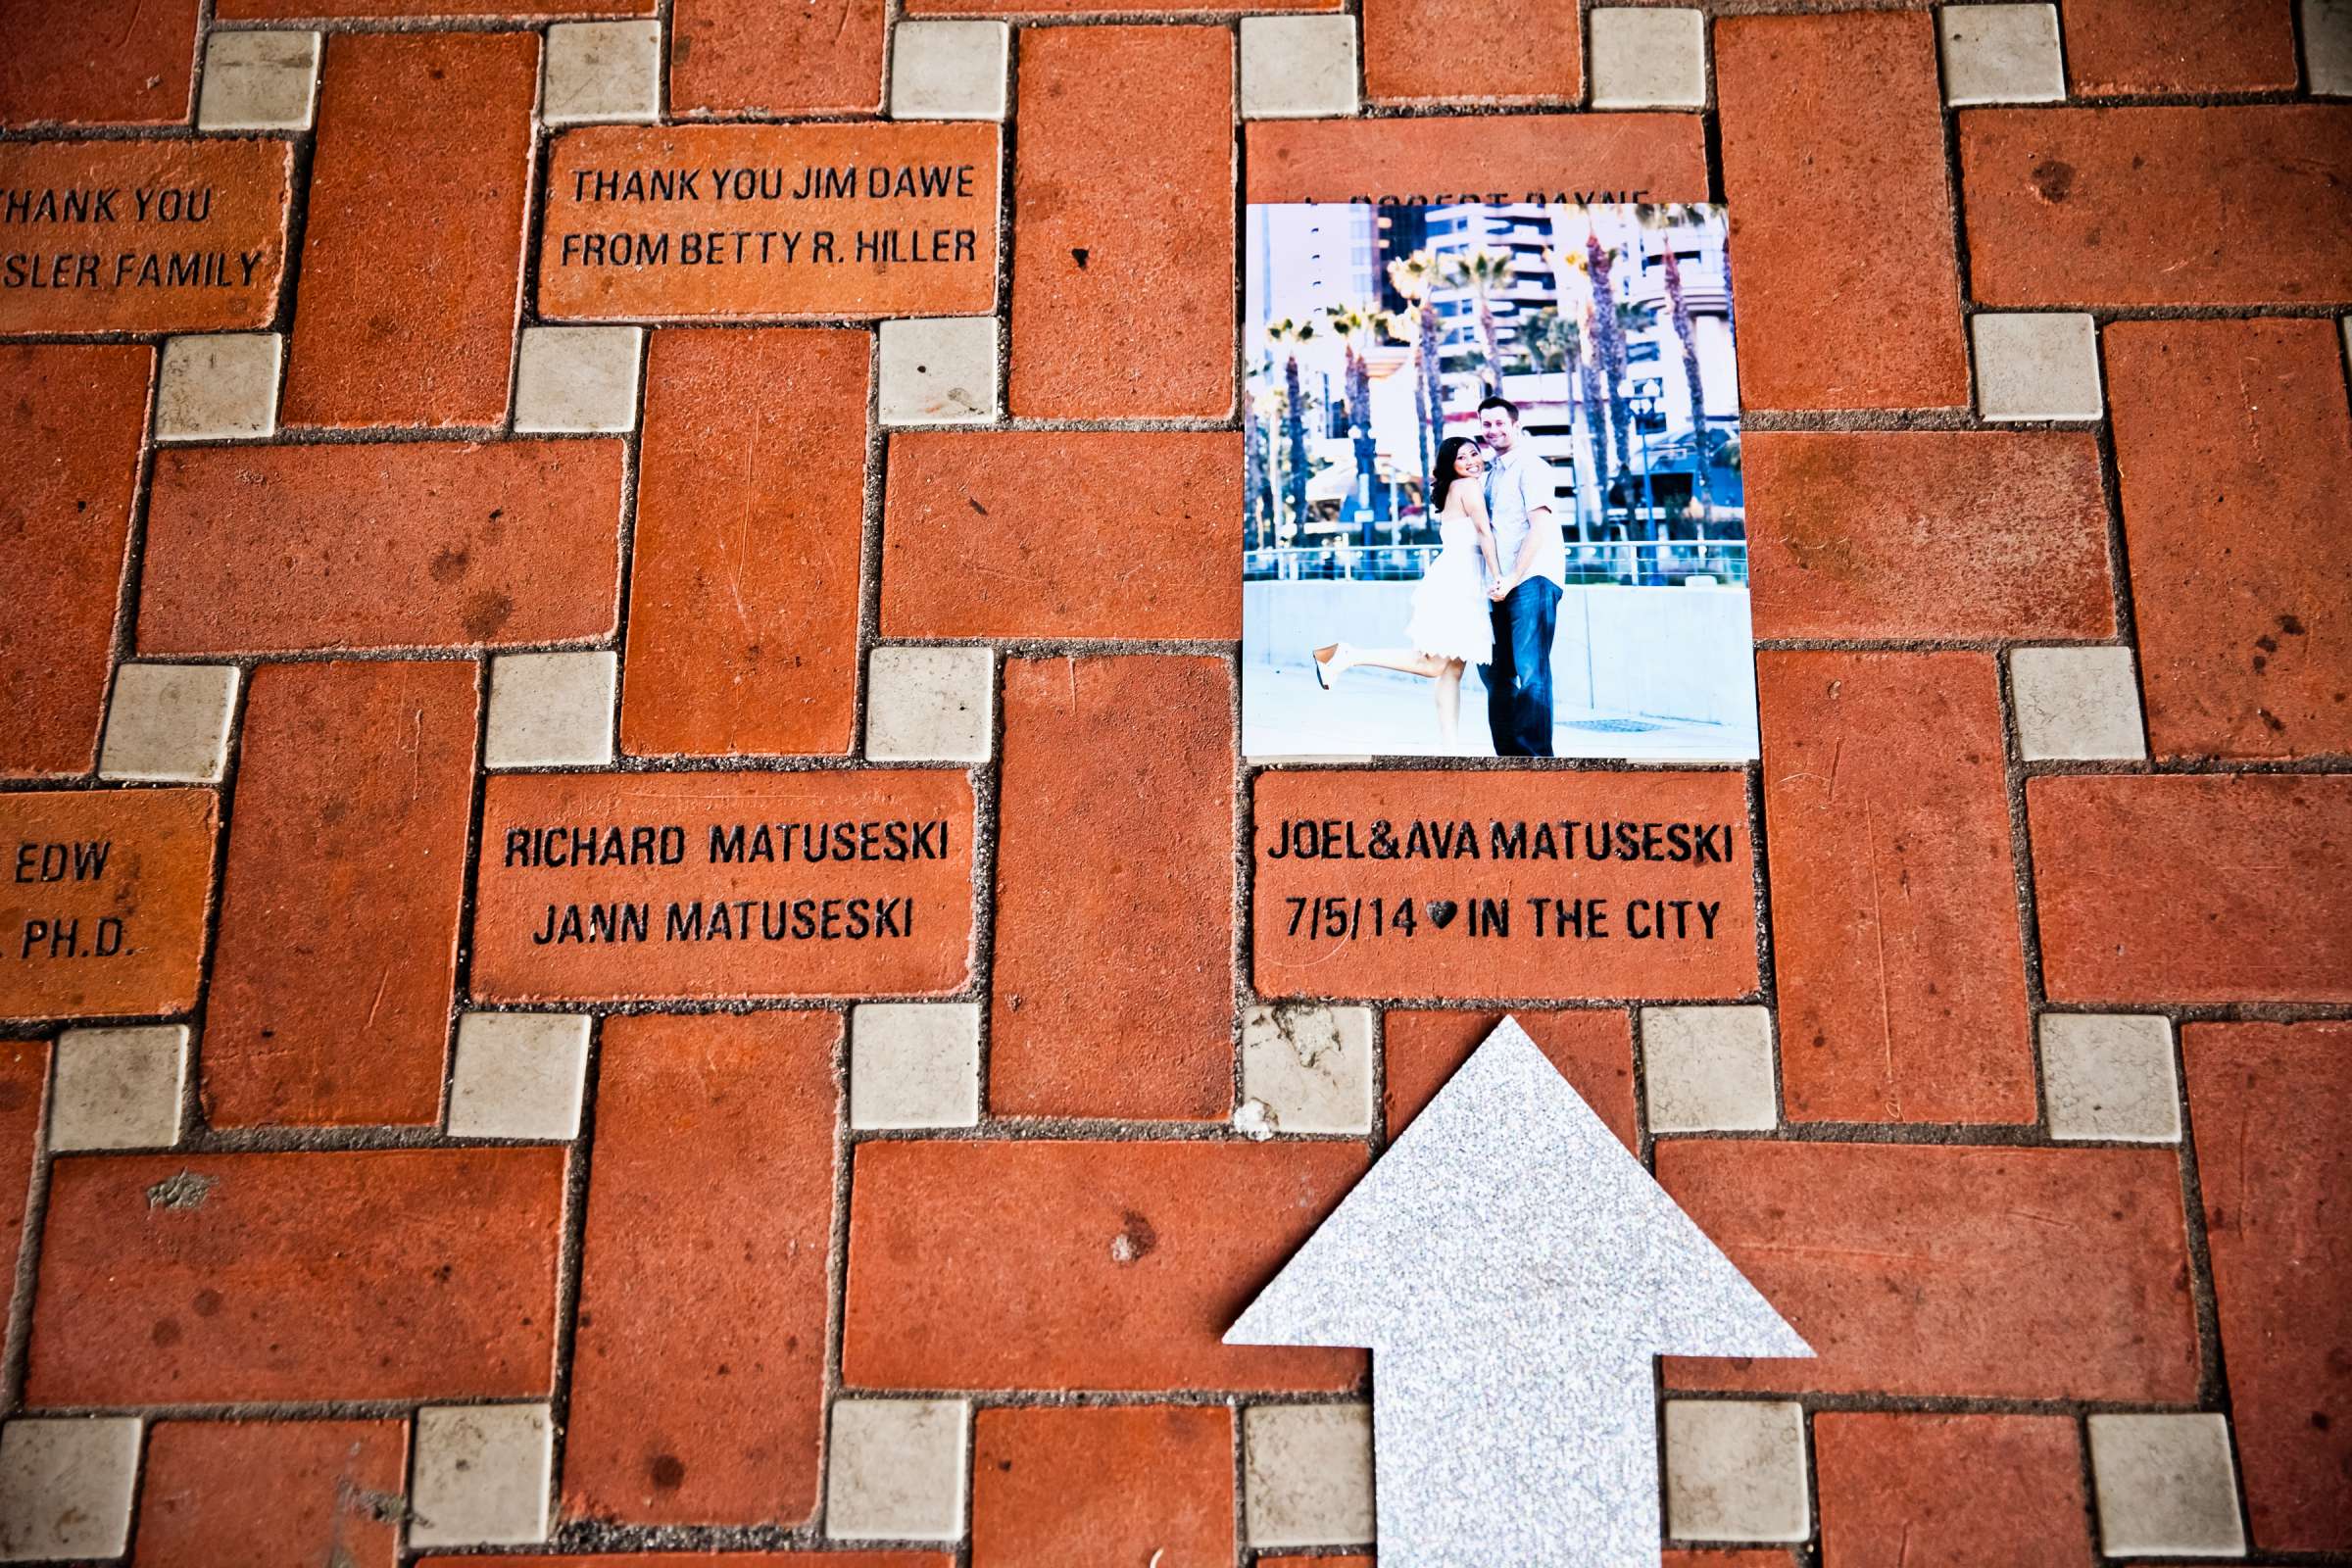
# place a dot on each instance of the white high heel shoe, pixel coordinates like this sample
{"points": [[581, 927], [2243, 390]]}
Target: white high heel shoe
{"points": [[1332, 661]]}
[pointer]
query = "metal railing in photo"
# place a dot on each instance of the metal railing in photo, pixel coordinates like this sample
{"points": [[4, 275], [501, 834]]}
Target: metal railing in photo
{"points": [[1632, 563]]}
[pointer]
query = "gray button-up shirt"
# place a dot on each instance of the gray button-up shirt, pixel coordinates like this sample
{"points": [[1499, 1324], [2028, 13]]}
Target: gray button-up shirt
{"points": [[1517, 485]]}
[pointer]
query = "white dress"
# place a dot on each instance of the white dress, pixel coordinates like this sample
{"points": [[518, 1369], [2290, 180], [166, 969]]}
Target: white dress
{"points": [[1451, 612]]}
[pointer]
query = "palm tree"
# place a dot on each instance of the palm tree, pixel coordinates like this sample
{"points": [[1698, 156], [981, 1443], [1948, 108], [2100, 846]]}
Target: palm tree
{"points": [[1257, 502], [1666, 217], [1482, 272], [1609, 340], [1291, 334], [1353, 323], [1572, 288], [1414, 277], [1557, 342]]}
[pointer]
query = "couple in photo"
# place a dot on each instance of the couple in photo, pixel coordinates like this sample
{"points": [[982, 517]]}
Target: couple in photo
{"points": [[1491, 595]]}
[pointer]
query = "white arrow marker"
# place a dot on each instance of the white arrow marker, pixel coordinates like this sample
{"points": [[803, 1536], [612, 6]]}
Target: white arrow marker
{"points": [[1513, 1272]]}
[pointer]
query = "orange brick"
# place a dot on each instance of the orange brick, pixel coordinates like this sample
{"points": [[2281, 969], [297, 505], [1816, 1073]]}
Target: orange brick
{"points": [[1894, 917], [339, 910], [69, 464], [1891, 1490], [102, 901], [1022, 533], [86, 65], [1113, 989], [392, 1274], [283, 549], [908, 253], [1506, 158], [2235, 451], [1500, 842], [1135, 1484], [2159, 46], [1108, 8], [1472, 52], [1933, 1270], [978, 1264], [1122, 282], [705, 1559], [271, 1495], [1842, 223], [2116, 206], [410, 288], [302, 9], [1754, 1558], [24, 1082], [127, 267], [712, 1415], [728, 914], [1927, 534], [2272, 1108], [814, 57], [1593, 1051], [742, 591], [2217, 887]]}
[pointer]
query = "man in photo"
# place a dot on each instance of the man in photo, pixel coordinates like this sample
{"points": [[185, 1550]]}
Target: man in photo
{"points": [[1526, 597]]}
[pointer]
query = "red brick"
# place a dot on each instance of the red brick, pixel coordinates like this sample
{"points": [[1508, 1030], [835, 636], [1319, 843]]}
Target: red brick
{"points": [[2213, 888], [391, 1274], [2235, 449], [271, 1495], [409, 287], [1472, 52], [1932, 1270], [86, 65], [705, 1559], [1427, 159], [1122, 283], [23, 1082], [1135, 1484], [283, 549], [1593, 1051], [1108, 8], [1842, 220], [96, 273], [792, 927], [1317, 930], [103, 900], [1034, 534], [1957, 1490], [1894, 915], [2161, 46], [713, 1414], [954, 273], [2271, 1108], [340, 908], [69, 464], [742, 591], [1113, 988], [816, 57], [1927, 534], [2118, 206], [992, 1265], [302, 9], [1754, 1558]]}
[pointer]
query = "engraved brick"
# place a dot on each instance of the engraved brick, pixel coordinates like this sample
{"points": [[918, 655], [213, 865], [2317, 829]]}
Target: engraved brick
{"points": [[103, 901], [1132, 1483], [83, 65], [273, 1494], [813, 57], [1421, 159]]}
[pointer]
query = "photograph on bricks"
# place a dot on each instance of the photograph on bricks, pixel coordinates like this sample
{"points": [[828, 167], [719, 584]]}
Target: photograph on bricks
{"points": [[1494, 502]]}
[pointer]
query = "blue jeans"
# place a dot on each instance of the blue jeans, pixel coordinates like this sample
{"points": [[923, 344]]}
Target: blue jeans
{"points": [[1519, 680]]}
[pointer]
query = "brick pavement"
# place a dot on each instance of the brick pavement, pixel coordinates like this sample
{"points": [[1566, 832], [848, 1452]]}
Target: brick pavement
{"points": [[399, 554]]}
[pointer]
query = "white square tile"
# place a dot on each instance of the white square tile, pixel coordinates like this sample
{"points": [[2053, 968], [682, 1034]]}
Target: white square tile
{"points": [[1735, 1470], [930, 704], [947, 69], [218, 386], [2110, 1075], [550, 710], [895, 1469], [1306, 1475], [914, 1065], [66, 1487], [267, 80], [168, 723], [1298, 68], [1708, 1070], [1649, 59], [119, 1088], [2042, 366], [2001, 54], [939, 369], [519, 1075], [2327, 46], [577, 379], [481, 1474], [2076, 703], [2167, 1486], [602, 73], [1307, 1070]]}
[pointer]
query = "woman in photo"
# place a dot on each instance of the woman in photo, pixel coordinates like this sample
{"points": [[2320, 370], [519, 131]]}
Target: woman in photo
{"points": [[1450, 624]]}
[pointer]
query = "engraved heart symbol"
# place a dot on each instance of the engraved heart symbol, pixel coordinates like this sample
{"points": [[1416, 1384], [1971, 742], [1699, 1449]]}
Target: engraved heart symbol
{"points": [[1441, 912]]}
